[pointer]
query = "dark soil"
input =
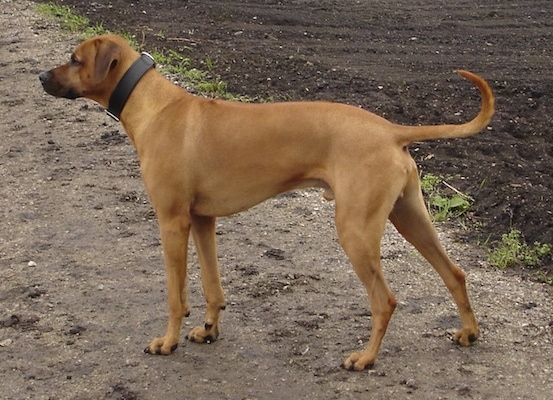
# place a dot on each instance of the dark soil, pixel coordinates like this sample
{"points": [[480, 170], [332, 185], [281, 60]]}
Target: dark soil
{"points": [[82, 287]]}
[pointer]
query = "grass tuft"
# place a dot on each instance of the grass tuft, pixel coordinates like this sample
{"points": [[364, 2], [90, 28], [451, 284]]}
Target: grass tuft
{"points": [[513, 251], [444, 202]]}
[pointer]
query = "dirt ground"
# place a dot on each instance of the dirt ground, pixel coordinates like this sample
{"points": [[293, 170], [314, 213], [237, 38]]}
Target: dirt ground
{"points": [[82, 286]]}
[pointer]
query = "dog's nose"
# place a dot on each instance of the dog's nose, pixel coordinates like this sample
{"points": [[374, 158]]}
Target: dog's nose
{"points": [[44, 76]]}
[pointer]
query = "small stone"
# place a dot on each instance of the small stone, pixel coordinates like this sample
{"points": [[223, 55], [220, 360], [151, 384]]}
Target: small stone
{"points": [[132, 363], [31, 264]]}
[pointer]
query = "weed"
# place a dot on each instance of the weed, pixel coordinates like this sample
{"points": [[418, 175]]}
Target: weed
{"points": [[177, 63], [194, 75], [443, 207], [544, 277], [514, 251], [209, 63], [68, 20], [216, 88], [75, 23], [429, 183], [172, 61], [448, 207]]}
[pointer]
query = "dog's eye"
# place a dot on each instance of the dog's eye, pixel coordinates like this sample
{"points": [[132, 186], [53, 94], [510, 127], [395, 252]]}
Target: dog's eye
{"points": [[74, 61]]}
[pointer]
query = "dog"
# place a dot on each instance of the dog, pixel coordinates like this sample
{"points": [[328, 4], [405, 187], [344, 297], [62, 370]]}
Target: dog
{"points": [[205, 158]]}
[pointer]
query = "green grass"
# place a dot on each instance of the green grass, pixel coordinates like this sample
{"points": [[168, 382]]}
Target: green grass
{"points": [[172, 61], [69, 21], [513, 251], [78, 24], [543, 276], [443, 201], [202, 82]]}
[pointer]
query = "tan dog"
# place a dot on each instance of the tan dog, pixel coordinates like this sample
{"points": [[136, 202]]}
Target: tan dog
{"points": [[202, 158]]}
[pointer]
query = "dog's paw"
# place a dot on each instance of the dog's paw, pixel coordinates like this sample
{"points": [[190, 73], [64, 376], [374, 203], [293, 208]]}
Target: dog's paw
{"points": [[465, 336], [161, 346], [358, 362], [203, 334]]}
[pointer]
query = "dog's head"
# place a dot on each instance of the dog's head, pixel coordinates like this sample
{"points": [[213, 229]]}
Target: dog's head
{"points": [[93, 71]]}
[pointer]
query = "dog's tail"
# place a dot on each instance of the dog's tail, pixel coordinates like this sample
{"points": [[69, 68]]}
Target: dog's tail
{"points": [[419, 133]]}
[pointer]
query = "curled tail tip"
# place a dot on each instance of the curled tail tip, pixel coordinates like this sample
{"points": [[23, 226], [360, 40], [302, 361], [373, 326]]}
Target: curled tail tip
{"points": [[485, 89], [467, 75], [476, 80]]}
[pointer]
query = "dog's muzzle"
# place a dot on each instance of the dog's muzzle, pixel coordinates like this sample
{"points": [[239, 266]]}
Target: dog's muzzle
{"points": [[44, 76], [52, 87]]}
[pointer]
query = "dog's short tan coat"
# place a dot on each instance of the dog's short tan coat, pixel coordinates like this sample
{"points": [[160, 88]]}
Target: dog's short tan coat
{"points": [[202, 158]]}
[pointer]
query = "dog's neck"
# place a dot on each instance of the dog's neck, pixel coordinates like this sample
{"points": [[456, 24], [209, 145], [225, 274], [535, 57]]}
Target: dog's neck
{"points": [[127, 83]]}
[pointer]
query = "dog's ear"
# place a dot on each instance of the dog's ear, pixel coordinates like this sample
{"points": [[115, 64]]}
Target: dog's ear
{"points": [[108, 54]]}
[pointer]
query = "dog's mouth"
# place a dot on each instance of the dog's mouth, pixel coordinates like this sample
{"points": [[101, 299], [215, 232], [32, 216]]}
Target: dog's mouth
{"points": [[54, 88]]}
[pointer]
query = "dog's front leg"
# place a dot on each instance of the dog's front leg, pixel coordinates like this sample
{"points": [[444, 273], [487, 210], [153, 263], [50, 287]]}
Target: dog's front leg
{"points": [[174, 238], [203, 233]]}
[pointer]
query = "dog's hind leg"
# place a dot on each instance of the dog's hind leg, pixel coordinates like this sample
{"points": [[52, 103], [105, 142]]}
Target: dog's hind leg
{"points": [[360, 228], [411, 219], [203, 233]]}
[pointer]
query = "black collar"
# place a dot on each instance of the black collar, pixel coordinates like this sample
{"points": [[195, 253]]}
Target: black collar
{"points": [[127, 83]]}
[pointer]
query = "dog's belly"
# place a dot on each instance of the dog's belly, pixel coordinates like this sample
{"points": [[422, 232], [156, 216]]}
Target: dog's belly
{"points": [[231, 200]]}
